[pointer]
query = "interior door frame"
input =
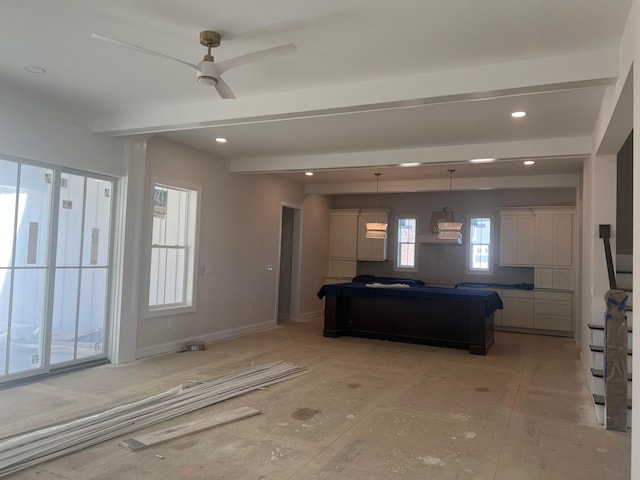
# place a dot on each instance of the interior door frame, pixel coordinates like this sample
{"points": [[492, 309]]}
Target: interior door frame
{"points": [[296, 252]]}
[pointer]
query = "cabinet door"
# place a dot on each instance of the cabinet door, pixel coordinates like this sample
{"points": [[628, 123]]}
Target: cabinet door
{"points": [[526, 227], [554, 239], [343, 230], [517, 312], [563, 240], [342, 268], [508, 240], [563, 279], [545, 239], [543, 278], [371, 248], [516, 239]]}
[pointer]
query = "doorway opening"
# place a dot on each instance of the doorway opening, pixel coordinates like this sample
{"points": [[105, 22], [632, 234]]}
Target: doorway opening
{"points": [[288, 281]]}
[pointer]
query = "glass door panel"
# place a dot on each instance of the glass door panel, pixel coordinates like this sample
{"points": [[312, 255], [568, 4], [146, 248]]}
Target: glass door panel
{"points": [[8, 200], [65, 312], [24, 265], [27, 320], [91, 320], [84, 231]]}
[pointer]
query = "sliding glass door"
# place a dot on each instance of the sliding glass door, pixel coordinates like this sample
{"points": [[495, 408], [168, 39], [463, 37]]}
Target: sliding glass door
{"points": [[82, 268], [54, 275], [25, 207]]}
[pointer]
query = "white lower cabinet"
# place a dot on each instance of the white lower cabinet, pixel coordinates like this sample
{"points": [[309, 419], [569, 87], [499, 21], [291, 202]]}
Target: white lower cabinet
{"points": [[553, 311], [518, 308], [537, 310]]}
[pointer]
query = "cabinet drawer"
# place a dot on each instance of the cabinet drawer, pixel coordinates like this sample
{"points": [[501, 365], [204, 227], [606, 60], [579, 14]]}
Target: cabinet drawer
{"points": [[552, 307], [515, 293], [552, 322], [562, 296]]}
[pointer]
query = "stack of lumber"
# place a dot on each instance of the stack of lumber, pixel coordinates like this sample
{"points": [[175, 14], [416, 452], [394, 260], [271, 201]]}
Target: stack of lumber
{"points": [[28, 449]]}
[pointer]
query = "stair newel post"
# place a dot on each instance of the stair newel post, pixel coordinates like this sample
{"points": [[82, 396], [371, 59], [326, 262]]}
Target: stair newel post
{"points": [[615, 361]]}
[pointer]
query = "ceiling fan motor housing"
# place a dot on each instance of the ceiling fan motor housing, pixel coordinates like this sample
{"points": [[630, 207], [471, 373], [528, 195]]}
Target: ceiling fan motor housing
{"points": [[207, 74]]}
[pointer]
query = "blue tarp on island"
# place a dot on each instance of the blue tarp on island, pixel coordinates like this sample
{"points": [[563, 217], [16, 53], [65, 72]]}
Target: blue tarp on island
{"points": [[355, 289]]}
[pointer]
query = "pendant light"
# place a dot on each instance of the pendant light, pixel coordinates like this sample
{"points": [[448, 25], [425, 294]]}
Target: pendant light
{"points": [[449, 230], [376, 229]]}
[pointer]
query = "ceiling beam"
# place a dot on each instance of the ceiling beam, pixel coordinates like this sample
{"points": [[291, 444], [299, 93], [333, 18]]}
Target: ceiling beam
{"points": [[442, 184], [566, 72], [553, 147]]}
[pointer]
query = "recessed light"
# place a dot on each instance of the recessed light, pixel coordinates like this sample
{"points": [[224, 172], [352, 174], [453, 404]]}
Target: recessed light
{"points": [[221, 140], [309, 174], [35, 69], [529, 162], [409, 164], [518, 114], [482, 160]]}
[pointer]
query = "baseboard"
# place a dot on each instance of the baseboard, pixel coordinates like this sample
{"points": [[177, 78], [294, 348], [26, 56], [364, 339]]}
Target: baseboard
{"points": [[305, 317], [180, 344]]}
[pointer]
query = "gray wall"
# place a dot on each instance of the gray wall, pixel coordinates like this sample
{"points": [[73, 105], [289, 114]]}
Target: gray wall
{"points": [[446, 264], [239, 235]]}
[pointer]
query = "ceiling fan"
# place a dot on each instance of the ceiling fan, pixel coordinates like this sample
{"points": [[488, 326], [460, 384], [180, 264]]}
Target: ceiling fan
{"points": [[208, 72]]}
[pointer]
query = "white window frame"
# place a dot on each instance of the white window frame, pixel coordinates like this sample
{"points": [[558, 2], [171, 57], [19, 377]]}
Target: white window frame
{"points": [[399, 268], [470, 245], [191, 260]]}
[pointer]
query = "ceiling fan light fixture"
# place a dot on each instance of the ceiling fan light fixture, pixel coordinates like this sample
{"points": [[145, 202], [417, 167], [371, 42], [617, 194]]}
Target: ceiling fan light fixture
{"points": [[206, 80]]}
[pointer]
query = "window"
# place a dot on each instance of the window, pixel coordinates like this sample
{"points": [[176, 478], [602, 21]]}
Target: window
{"points": [[406, 253], [173, 255], [480, 255]]}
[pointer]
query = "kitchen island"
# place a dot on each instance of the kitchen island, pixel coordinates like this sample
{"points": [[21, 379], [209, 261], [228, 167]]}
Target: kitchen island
{"points": [[445, 317]]}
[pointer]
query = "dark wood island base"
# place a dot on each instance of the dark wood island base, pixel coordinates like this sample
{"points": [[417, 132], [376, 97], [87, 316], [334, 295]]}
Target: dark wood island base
{"points": [[454, 320]]}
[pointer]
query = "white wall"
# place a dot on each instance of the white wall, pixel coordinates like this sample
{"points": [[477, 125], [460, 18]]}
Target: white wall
{"points": [[315, 253], [614, 123], [239, 236], [599, 190], [46, 138]]}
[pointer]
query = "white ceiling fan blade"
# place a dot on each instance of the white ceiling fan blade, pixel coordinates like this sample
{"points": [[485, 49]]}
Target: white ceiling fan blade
{"points": [[137, 48], [258, 56], [223, 89]]}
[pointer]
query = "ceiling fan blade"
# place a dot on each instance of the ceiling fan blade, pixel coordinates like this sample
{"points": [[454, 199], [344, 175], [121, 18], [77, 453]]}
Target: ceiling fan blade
{"points": [[258, 56], [137, 48], [223, 89]]}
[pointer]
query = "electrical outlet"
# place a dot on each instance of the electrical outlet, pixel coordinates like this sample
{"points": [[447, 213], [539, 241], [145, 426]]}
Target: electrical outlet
{"points": [[169, 322]]}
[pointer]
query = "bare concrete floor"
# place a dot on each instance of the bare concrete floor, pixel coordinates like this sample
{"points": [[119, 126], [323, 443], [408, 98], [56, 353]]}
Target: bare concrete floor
{"points": [[368, 410]]}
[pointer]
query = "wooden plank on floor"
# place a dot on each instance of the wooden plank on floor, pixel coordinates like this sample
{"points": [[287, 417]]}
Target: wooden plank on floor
{"points": [[153, 438]]}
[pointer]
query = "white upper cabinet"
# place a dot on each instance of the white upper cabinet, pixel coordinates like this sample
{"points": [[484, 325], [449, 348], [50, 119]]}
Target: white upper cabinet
{"points": [[537, 236], [343, 234], [554, 237], [517, 237], [371, 249]]}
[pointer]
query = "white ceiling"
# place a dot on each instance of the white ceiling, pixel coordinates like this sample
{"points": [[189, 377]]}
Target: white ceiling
{"points": [[432, 81]]}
